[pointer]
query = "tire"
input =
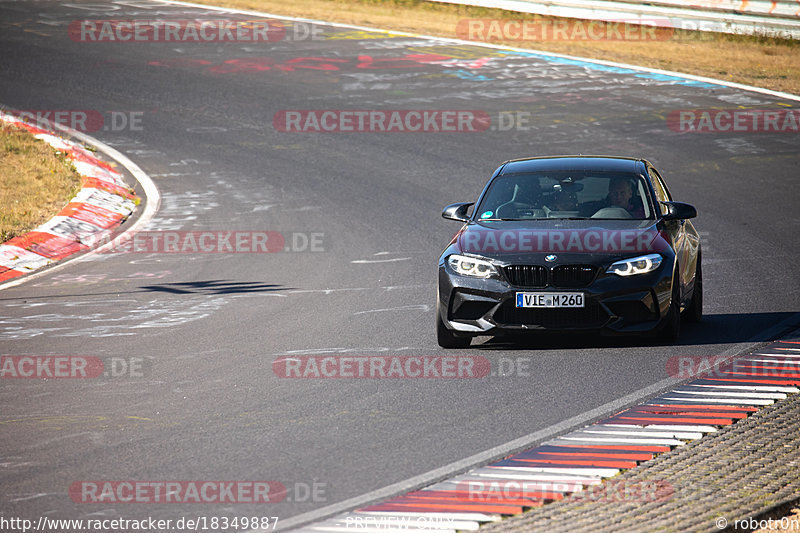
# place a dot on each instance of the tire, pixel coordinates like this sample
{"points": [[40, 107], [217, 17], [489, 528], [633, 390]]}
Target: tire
{"points": [[446, 338], [671, 329], [694, 311]]}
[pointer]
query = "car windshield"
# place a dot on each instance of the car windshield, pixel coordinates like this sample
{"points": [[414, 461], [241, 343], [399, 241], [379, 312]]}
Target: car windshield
{"points": [[566, 194]]}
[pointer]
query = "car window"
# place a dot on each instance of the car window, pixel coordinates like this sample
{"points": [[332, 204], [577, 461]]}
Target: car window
{"points": [[565, 194], [662, 194]]}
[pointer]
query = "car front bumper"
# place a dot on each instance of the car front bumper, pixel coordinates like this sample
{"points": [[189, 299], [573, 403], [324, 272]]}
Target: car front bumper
{"points": [[614, 305]]}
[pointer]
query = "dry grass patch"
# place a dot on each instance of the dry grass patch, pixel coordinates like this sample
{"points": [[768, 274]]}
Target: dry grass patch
{"points": [[35, 182], [763, 62]]}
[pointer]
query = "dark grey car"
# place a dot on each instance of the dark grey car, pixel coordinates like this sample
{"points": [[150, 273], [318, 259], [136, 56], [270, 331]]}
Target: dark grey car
{"points": [[589, 243]]}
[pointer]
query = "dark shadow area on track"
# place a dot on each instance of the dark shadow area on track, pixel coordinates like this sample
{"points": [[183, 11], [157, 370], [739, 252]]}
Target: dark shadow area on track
{"points": [[723, 328], [213, 287], [210, 287]]}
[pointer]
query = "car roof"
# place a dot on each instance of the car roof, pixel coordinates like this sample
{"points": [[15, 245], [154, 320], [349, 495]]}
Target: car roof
{"points": [[574, 162]]}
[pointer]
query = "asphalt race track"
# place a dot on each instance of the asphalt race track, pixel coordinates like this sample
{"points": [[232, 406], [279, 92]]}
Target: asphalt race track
{"points": [[208, 326]]}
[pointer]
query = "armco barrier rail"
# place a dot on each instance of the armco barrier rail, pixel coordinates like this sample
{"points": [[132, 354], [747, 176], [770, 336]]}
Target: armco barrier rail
{"points": [[778, 18]]}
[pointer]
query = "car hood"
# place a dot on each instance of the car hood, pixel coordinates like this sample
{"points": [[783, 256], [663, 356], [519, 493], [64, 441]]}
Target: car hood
{"points": [[532, 240]]}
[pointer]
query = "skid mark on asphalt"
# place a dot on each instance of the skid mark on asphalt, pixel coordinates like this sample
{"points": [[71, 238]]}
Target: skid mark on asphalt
{"points": [[422, 307], [369, 350], [32, 497], [175, 209], [738, 145], [76, 279], [51, 421], [388, 260], [119, 321]]}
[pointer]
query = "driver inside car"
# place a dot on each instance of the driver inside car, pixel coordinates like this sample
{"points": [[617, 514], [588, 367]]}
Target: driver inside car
{"points": [[620, 193]]}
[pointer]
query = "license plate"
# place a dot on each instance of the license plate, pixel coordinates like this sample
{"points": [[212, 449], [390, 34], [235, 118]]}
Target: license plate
{"points": [[550, 300]]}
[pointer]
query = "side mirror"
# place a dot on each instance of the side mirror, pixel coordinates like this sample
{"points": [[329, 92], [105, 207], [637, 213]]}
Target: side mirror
{"points": [[679, 211], [457, 211]]}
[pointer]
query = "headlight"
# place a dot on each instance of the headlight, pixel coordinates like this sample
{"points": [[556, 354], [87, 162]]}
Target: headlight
{"points": [[470, 266], [636, 265]]}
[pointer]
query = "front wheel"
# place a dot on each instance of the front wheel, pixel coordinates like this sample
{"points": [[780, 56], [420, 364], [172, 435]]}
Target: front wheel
{"points": [[445, 337], [671, 329], [694, 311]]}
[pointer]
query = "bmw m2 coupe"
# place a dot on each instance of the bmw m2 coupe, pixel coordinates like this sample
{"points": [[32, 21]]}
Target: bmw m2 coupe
{"points": [[570, 243]]}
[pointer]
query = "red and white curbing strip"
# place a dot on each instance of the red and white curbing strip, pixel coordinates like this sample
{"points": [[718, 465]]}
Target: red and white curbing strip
{"points": [[103, 203], [572, 464]]}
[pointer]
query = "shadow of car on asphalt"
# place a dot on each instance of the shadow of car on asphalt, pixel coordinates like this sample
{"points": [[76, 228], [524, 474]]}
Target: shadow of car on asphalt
{"points": [[213, 287], [723, 328]]}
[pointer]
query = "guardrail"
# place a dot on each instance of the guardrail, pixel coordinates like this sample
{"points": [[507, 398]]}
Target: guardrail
{"points": [[774, 18]]}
